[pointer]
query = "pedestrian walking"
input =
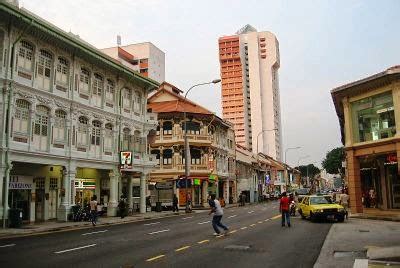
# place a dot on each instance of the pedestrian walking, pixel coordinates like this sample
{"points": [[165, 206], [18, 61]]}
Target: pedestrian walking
{"points": [[175, 204], [218, 213], [284, 209], [344, 201], [122, 207], [93, 210]]}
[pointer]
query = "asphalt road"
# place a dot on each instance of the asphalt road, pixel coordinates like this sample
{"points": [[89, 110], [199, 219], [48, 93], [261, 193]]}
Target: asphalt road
{"points": [[256, 239]]}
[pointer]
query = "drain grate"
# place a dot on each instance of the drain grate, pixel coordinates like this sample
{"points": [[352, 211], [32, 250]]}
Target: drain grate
{"points": [[353, 254]]}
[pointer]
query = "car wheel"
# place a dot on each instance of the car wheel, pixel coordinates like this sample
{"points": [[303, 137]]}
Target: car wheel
{"points": [[301, 214], [312, 217], [340, 219]]}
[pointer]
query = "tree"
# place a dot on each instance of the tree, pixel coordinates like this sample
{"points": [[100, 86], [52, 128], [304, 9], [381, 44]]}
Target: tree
{"points": [[333, 161], [309, 170]]}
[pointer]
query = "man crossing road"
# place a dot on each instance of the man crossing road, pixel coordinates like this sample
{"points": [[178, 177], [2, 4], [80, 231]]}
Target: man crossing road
{"points": [[218, 213]]}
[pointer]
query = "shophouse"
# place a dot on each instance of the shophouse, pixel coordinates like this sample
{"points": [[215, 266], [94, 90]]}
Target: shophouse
{"points": [[68, 111], [369, 117], [212, 151]]}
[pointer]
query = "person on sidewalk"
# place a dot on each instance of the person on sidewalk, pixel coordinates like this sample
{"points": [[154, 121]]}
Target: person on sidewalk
{"points": [[218, 213], [122, 207], [284, 209], [93, 210], [175, 204], [344, 201]]}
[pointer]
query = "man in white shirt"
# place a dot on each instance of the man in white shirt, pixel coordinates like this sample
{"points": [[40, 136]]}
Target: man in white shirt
{"points": [[218, 213], [93, 210]]}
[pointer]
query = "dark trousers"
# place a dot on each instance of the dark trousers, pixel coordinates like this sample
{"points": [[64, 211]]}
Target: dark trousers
{"points": [[93, 216], [285, 215], [216, 222], [175, 208]]}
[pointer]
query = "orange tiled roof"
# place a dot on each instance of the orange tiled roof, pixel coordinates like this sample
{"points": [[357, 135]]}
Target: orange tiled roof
{"points": [[177, 106]]}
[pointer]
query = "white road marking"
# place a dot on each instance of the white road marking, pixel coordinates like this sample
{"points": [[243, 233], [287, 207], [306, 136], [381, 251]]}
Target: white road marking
{"points": [[187, 218], [95, 232], [251, 212], [6, 246], [233, 216], [204, 222], [156, 232], [152, 223], [72, 249]]}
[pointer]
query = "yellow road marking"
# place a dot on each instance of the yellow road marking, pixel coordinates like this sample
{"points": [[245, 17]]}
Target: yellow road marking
{"points": [[182, 248], [252, 224], [244, 228], [275, 217], [260, 222], [203, 241], [232, 232], [155, 258], [266, 220]]}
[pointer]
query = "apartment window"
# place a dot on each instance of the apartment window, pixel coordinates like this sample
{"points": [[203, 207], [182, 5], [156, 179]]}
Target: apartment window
{"points": [[195, 155], [192, 127], [41, 121], [127, 98], [44, 69], [84, 81], [110, 91], [157, 154], [373, 118], [167, 128], [96, 133], [126, 137], [135, 62], [167, 157], [108, 137], [144, 70], [138, 102], [97, 92], [21, 117], [59, 131], [82, 131], [144, 60], [62, 71], [25, 56]]}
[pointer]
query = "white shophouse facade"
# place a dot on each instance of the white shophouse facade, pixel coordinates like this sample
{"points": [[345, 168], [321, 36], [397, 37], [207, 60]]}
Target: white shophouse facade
{"points": [[67, 111]]}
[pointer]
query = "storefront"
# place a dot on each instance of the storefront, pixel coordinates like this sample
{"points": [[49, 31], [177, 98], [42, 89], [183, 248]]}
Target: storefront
{"points": [[20, 195], [84, 190]]}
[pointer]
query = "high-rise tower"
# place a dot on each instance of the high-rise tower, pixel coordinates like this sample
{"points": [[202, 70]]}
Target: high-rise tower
{"points": [[249, 64]]}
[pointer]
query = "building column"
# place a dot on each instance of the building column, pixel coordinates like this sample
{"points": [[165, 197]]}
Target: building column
{"points": [[2, 179], [112, 202], [143, 192], [354, 180], [130, 199], [205, 193], [68, 176], [226, 191]]}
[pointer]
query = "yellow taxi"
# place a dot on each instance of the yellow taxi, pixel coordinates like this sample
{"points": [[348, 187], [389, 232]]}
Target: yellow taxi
{"points": [[317, 207]]}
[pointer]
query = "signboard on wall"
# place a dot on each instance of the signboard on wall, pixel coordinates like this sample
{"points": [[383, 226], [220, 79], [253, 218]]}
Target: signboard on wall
{"points": [[20, 182], [126, 159]]}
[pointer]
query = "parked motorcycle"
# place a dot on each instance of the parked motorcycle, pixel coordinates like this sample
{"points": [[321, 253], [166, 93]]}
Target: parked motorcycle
{"points": [[292, 208]]}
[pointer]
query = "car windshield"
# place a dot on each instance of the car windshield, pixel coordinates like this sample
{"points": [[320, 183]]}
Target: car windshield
{"points": [[320, 200], [302, 191]]}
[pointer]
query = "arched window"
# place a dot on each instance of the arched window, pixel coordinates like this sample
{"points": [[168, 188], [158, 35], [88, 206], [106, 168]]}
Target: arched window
{"points": [[96, 133], [126, 138], [41, 127], [25, 56], [108, 137], [62, 72], [167, 128], [192, 127], [157, 154], [127, 99], [21, 117], [44, 66], [84, 81], [167, 157], [82, 139], [98, 86], [110, 91], [59, 131], [195, 155]]}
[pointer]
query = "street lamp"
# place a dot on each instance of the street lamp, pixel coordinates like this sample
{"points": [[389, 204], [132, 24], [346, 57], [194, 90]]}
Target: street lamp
{"points": [[186, 147], [288, 149], [262, 131]]}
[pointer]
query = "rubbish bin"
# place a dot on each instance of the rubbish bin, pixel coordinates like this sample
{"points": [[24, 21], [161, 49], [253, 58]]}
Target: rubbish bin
{"points": [[15, 217], [158, 207]]}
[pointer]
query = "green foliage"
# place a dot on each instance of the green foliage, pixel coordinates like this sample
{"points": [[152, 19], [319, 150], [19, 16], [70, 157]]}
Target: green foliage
{"points": [[312, 170], [333, 160]]}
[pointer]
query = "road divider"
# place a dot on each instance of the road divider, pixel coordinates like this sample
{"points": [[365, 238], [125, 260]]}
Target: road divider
{"points": [[203, 241], [252, 224], [98, 232], [73, 249], [7, 246], [182, 248], [251, 212], [233, 231], [204, 222], [187, 218], [233, 216], [152, 223], [157, 232], [245, 227], [276, 217], [155, 258]]}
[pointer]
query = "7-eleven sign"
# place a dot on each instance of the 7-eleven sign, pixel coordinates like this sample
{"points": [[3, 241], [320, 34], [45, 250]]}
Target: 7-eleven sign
{"points": [[126, 159]]}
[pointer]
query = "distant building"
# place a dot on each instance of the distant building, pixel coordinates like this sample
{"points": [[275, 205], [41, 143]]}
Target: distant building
{"points": [[369, 117], [145, 58], [249, 64]]}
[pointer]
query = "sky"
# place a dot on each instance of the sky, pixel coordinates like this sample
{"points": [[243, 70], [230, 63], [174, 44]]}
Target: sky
{"points": [[323, 44]]}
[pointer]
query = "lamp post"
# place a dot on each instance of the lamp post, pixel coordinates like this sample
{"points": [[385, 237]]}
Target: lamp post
{"points": [[262, 131], [288, 149], [186, 145]]}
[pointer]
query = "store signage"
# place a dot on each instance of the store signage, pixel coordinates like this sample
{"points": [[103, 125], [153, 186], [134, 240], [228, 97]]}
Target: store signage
{"points": [[182, 183], [85, 183], [267, 179], [213, 177], [164, 185], [391, 159], [196, 182], [126, 159], [20, 182]]}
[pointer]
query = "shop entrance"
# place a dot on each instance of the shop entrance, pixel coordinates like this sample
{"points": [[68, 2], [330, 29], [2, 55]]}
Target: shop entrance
{"points": [[393, 185], [39, 200], [20, 199]]}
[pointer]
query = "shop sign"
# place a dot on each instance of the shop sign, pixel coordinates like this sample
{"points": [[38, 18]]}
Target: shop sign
{"points": [[212, 177], [267, 179], [182, 183], [85, 183], [164, 185], [20, 182], [391, 158], [126, 160], [196, 182]]}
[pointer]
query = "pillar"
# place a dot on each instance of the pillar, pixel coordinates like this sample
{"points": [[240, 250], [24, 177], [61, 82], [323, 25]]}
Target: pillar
{"points": [[143, 192], [2, 179], [226, 191], [112, 202], [204, 193], [130, 199], [32, 215], [354, 179], [69, 174]]}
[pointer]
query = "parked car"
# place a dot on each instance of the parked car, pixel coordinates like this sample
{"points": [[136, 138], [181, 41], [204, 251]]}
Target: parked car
{"points": [[317, 207]]}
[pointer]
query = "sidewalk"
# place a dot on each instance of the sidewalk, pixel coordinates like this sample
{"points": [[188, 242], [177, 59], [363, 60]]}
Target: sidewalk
{"points": [[357, 238], [377, 214], [54, 226]]}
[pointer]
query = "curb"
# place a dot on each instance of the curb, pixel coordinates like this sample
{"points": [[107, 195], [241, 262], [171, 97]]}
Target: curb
{"points": [[382, 218]]}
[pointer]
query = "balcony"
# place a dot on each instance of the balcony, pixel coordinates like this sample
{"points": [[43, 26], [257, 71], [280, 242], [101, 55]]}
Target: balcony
{"points": [[194, 168], [151, 118], [140, 159], [179, 139]]}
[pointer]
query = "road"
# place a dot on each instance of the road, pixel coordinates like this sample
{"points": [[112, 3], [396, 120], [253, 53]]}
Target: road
{"points": [[256, 239]]}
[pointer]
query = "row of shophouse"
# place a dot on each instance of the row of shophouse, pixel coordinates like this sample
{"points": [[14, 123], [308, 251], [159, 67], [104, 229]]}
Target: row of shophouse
{"points": [[77, 123]]}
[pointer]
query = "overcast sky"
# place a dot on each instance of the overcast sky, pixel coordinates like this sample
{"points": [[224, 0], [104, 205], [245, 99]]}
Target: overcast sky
{"points": [[323, 44]]}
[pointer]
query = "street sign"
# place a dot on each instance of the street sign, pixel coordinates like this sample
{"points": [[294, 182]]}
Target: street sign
{"points": [[164, 185], [182, 183]]}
